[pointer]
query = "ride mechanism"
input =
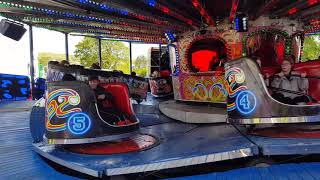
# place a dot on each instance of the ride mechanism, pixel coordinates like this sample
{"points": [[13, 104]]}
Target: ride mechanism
{"points": [[68, 119]]}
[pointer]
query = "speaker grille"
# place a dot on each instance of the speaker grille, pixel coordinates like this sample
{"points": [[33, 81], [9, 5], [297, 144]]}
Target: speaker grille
{"points": [[11, 29]]}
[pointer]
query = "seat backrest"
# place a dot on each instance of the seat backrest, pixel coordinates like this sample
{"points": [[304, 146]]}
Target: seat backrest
{"points": [[312, 68], [165, 73], [120, 93], [270, 70]]}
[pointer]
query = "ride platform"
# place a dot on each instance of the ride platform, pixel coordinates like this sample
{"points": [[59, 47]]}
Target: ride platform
{"points": [[180, 145], [193, 113], [174, 150], [17, 158], [301, 171]]}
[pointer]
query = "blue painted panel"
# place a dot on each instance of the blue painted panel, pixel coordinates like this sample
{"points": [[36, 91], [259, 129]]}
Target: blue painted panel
{"points": [[17, 158], [37, 124], [287, 146], [303, 171], [40, 86], [152, 119], [14, 87]]}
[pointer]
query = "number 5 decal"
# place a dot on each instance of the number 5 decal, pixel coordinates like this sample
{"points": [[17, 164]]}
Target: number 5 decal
{"points": [[79, 123]]}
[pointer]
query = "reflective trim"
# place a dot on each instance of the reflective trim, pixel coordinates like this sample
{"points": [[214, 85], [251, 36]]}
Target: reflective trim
{"points": [[174, 163], [161, 95], [97, 110], [274, 120], [89, 140], [43, 151]]}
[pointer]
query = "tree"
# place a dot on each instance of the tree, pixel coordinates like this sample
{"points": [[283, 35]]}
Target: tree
{"points": [[311, 48], [45, 57], [115, 54], [140, 65]]}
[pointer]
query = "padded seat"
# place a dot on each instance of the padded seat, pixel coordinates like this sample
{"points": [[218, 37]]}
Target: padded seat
{"points": [[121, 98], [311, 68], [165, 73]]}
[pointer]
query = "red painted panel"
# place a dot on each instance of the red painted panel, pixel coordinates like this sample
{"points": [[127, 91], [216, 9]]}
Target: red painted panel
{"points": [[202, 59]]}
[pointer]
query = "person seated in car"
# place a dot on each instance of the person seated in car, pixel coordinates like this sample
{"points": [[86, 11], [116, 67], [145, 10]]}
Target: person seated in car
{"points": [[95, 66], [110, 113], [292, 81], [68, 77], [155, 74], [133, 74], [64, 62]]}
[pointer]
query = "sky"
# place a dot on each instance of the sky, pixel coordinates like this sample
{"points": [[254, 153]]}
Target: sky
{"points": [[15, 55]]}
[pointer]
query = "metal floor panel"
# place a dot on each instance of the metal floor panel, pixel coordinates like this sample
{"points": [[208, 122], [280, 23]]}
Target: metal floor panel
{"points": [[287, 146], [303, 171], [17, 158], [181, 145]]}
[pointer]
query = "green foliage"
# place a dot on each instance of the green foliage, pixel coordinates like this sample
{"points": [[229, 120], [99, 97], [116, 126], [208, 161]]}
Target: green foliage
{"points": [[45, 57], [115, 54], [140, 66], [311, 48]]}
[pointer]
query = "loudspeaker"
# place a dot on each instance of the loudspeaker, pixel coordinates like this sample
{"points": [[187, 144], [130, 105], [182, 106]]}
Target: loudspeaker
{"points": [[11, 29]]}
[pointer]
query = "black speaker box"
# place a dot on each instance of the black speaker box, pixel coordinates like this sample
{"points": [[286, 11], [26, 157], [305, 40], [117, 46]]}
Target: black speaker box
{"points": [[11, 29]]}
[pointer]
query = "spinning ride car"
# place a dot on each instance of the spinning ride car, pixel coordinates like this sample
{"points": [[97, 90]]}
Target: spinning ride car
{"points": [[249, 101], [161, 82], [72, 114]]}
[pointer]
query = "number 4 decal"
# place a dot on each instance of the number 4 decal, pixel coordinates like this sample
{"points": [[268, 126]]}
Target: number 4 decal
{"points": [[244, 102]]}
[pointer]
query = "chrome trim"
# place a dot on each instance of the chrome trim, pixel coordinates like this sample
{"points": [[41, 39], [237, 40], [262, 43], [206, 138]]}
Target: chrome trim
{"points": [[89, 140], [174, 163], [275, 120], [42, 149], [162, 95], [96, 106]]}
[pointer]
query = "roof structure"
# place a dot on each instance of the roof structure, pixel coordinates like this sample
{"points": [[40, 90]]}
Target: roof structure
{"points": [[148, 20]]}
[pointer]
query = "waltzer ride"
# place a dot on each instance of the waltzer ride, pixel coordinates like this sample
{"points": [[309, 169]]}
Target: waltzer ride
{"points": [[215, 80]]}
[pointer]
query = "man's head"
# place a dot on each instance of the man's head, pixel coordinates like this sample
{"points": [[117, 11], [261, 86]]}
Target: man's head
{"points": [[93, 81], [95, 66], [68, 77], [286, 66], [64, 62]]}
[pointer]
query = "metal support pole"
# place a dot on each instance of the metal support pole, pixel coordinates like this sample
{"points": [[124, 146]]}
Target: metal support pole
{"points": [[67, 46], [130, 48], [100, 52], [160, 52], [31, 61]]}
